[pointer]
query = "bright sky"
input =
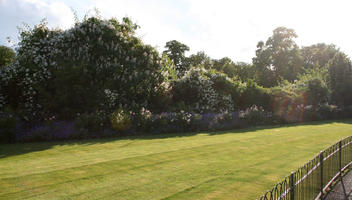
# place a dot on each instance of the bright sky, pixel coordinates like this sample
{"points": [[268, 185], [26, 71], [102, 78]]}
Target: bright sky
{"points": [[221, 28]]}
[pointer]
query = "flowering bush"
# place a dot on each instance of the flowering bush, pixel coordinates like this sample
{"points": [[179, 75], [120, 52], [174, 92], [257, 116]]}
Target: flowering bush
{"points": [[145, 122], [196, 92], [255, 115], [77, 66], [182, 121]]}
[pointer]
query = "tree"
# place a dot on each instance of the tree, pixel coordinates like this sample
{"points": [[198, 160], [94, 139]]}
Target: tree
{"points": [[7, 55], [339, 79], [263, 65], [317, 92], [176, 52], [244, 71], [200, 59], [318, 55], [279, 58], [222, 63]]}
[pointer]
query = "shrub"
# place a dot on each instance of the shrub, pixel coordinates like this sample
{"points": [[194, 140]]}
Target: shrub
{"points": [[182, 121], [227, 90], [220, 121], [328, 111], [254, 115], [92, 122], [253, 94], [345, 112], [120, 120], [317, 92], [7, 127], [195, 91]]}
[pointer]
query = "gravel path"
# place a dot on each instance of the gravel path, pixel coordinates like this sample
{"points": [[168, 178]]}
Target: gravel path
{"points": [[337, 192]]}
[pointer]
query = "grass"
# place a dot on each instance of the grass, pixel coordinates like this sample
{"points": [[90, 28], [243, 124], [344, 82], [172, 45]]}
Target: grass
{"points": [[238, 164]]}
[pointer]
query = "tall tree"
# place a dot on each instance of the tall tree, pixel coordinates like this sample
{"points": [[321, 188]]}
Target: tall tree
{"points": [[222, 63], [176, 52], [340, 79], [244, 71], [318, 55], [200, 59], [278, 58]]}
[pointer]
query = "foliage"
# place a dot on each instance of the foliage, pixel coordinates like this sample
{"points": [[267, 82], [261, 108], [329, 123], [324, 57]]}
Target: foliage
{"points": [[313, 87], [251, 92], [278, 58], [340, 79], [317, 92], [77, 66], [162, 99], [8, 124], [7, 56], [98, 76], [200, 59], [176, 52], [317, 55], [197, 93], [120, 120], [329, 111], [171, 122], [255, 115], [91, 121], [222, 63], [243, 71]]}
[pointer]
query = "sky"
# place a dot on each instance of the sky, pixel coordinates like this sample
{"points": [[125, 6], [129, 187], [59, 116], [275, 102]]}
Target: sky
{"points": [[221, 28]]}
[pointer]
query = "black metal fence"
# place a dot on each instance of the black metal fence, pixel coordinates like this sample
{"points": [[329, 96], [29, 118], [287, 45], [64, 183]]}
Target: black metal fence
{"points": [[313, 179]]}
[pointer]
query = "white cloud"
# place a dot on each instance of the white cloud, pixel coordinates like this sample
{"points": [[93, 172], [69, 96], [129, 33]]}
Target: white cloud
{"points": [[16, 12], [235, 27], [221, 28], [160, 21]]}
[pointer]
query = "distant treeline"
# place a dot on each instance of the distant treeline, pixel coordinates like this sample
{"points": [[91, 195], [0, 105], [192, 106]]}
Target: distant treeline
{"points": [[99, 76]]}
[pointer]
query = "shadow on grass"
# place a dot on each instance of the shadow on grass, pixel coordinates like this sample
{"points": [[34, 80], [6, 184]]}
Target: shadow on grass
{"points": [[8, 150]]}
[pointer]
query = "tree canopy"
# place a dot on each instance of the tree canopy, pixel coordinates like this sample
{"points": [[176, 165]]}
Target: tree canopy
{"points": [[7, 56], [278, 58], [176, 52]]}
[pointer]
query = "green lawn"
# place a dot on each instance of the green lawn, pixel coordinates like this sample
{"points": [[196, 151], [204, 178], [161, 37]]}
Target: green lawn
{"points": [[239, 164]]}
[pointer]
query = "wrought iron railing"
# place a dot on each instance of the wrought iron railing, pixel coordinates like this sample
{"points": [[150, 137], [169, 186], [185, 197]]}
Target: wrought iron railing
{"points": [[313, 179]]}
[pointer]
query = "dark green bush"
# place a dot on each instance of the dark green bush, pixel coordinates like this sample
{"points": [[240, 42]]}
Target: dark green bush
{"points": [[253, 94], [255, 116], [90, 122], [328, 111], [7, 127]]}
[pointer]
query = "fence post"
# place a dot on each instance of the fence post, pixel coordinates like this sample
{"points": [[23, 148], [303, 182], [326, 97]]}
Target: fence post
{"points": [[340, 160], [321, 175], [292, 186], [340, 170]]}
